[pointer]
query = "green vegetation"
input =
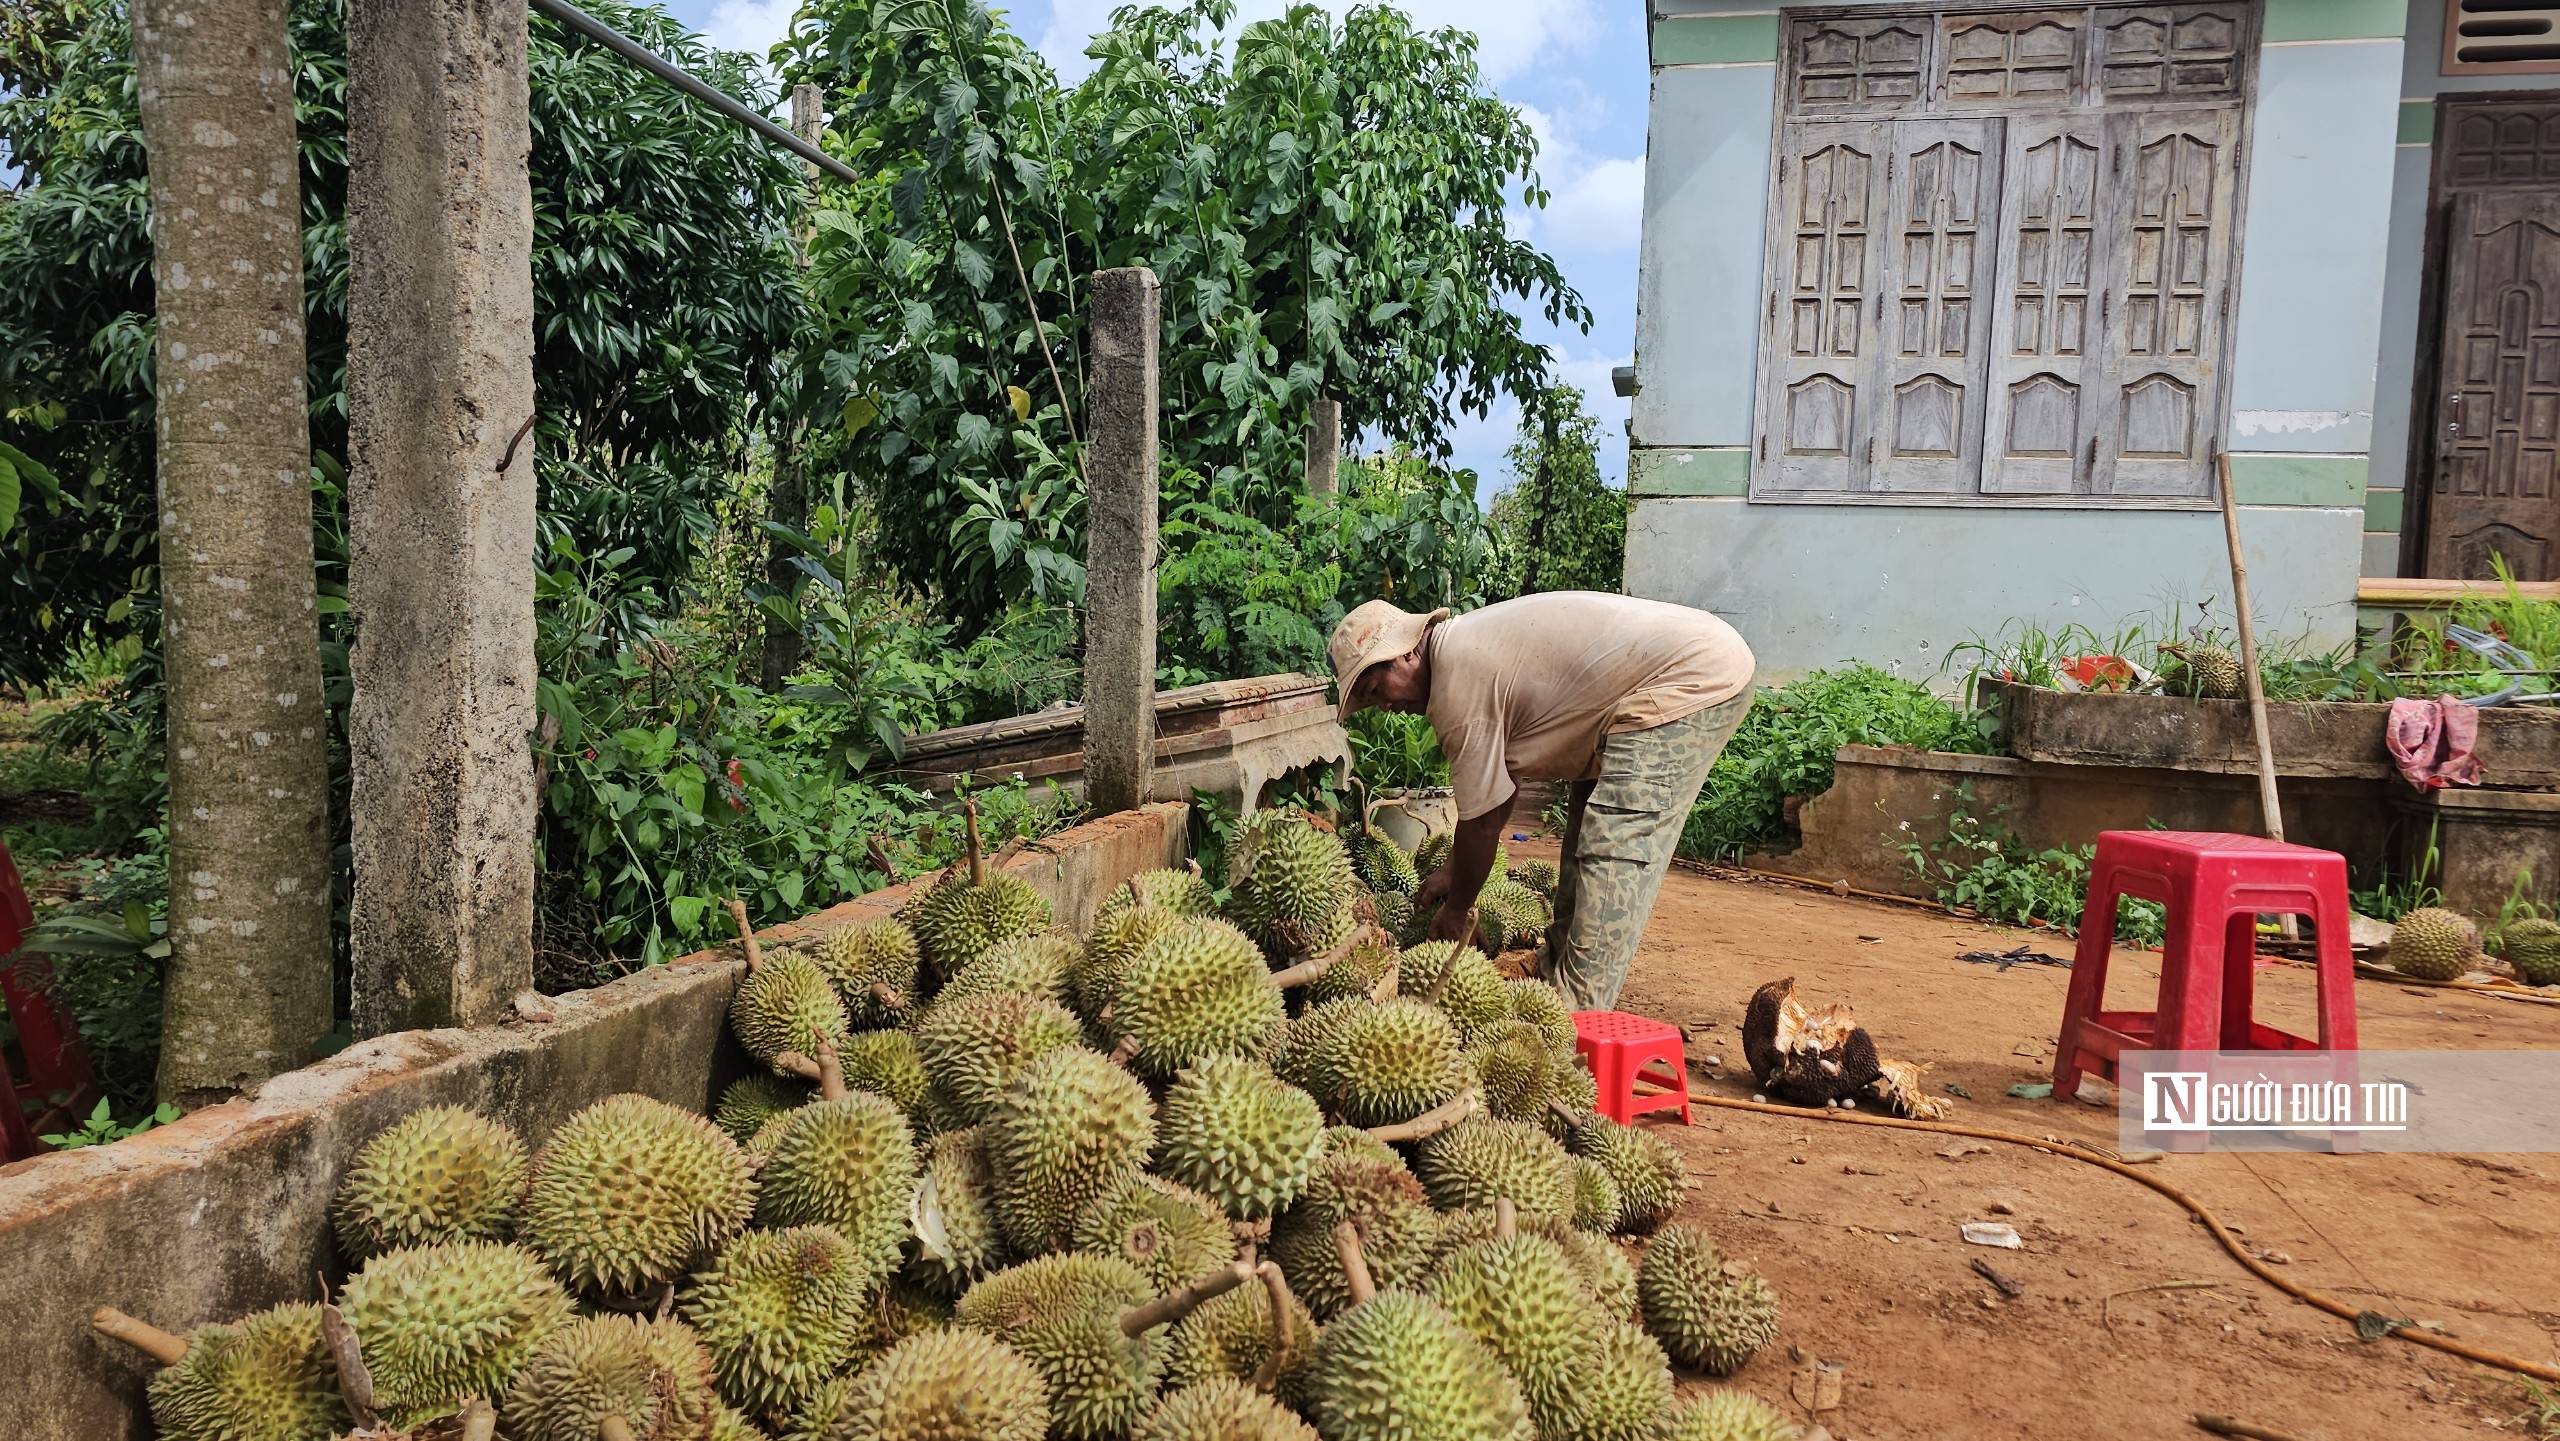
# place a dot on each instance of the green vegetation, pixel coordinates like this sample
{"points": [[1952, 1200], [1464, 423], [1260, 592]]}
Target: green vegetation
{"points": [[1982, 866]]}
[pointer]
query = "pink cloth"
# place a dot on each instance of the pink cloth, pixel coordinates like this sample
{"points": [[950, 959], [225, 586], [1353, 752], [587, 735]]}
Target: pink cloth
{"points": [[2431, 742]]}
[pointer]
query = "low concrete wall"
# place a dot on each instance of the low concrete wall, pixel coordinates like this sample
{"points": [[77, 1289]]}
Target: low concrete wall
{"points": [[226, 1211]]}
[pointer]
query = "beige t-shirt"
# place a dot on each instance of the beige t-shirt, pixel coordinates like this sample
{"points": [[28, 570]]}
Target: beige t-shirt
{"points": [[1526, 690]]}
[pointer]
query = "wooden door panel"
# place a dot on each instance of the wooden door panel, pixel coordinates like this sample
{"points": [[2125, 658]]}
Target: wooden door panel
{"points": [[1825, 230], [2169, 277], [2498, 433], [1944, 199], [2009, 58], [1841, 64], [2044, 331]]}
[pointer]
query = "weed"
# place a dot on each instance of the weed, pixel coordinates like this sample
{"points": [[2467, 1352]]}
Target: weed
{"points": [[1391, 750], [2391, 897], [102, 1127], [1982, 866], [2541, 1414]]}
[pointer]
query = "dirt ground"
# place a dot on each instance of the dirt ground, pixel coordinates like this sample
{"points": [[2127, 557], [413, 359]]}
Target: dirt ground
{"points": [[1857, 1227]]}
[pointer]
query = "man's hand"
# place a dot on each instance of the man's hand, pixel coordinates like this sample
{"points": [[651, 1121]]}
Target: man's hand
{"points": [[1453, 887], [1433, 890], [1451, 924]]}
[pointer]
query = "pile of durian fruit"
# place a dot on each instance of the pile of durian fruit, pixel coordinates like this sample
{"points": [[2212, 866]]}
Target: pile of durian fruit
{"points": [[1239, 1171]]}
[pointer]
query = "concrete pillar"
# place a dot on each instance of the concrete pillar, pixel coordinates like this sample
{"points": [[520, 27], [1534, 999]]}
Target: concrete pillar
{"points": [[1324, 445], [440, 506], [1120, 543]]}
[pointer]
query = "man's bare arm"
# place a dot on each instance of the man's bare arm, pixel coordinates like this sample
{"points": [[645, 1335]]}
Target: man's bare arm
{"points": [[1460, 878]]}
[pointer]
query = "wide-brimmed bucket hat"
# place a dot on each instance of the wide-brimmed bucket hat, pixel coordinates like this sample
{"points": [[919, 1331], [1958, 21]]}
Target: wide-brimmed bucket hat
{"points": [[1375, 630]]}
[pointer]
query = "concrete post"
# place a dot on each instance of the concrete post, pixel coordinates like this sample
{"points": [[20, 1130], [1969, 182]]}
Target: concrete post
{"points": [[1324, 445], [440, 410], [1120, 544]]}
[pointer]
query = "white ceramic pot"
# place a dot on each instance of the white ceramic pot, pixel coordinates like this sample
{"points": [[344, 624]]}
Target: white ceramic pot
{"points": [[1409, 816]]}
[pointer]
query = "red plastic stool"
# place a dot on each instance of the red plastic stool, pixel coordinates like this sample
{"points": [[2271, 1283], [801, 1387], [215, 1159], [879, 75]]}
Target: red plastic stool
{"points": [[2215, 886], [1619, 1047]]}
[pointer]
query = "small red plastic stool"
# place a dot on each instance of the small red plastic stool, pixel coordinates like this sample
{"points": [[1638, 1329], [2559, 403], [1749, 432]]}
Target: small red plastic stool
{"points": [[1619, 1047], [2215, 886]]}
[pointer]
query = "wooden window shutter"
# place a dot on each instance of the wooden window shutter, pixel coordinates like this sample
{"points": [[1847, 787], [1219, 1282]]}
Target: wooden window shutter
{"points": [[1818, 335], [2173, 194], [2044, 334]]}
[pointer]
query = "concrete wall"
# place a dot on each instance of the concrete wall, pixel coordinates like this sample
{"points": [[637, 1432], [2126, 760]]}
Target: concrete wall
{"points": [[225, 1212], [1814, 585]]}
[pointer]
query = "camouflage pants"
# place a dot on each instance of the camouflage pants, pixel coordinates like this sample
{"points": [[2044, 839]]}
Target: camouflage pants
{"points": [[1619, 834]]}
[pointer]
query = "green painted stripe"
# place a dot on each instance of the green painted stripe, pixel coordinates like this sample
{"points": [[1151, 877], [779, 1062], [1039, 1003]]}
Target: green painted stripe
{"points": [[2335, 19], [1719, 471], [2383, 510], [2308, 478], [1715, 39], [2417, 122]]}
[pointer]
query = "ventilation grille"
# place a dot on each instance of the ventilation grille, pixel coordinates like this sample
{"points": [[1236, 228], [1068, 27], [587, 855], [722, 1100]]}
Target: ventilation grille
{"points": [[2513, 36]]}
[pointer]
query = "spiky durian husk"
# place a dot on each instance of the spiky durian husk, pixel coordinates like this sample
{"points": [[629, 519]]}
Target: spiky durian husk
{"points": [[1397, 917], [858, 958], [1516, 1071], [1382, 865], [751, 1101], [1624, 1393], [631, 1191], [1577, 1093], [974, 1046], [1728, 1415], [1353, 1141], [1523, 1300], [728, 1425], [1603, 1269], [441, 1174], [1538, 875], [1182, 891], [949, 1385], [780, 1312], [1380, 1064], [1065, 1130], [1220, 1410], [955, 922], [1512, 914], [1475, 999], [1199, 990], [1300, 1056], [653, 1376], [1706, 1315], [1037, 963], [786, 1004], [1231, 1338], [1481, 1160], [1597, 1206], [2532, 946], [956, 1239], [1543, 1006], [1239, 1135], [1433, 853], [1295, 895], [899, 1310], [1399, 1232], [268, 1377], [440, 1322], [1651, 1176], [1397, 1366], [1116, 941], [2434, 944], [1169, 1232], [888, 1065], [849, 1164], [1063, 1314], [1357, 974]]}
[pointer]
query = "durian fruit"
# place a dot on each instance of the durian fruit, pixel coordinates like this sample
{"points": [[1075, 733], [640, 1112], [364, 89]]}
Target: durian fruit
{"points": [[1708, 1316], [1182, 891], [1459, 980], [1515, 1071], [948, 1385], [751, 1101], [785, 1005], [1353, 1141], [1510, 914], [1382, 865], [1623, 1392], [846, 1162], [1543, 1006], [1300, 1056], [1603, 1269], [441, 1174], [780, 1312], [1433, 853], [2533, 948], [1481, 1160], [1728, 1415], [1220, 1410], [974, 1046], [1538, 875], [1400, 1233], [631, 1191], [1168, 1231], [1576, 1096], [267, 1377], [728, 1425], [2214, 669], [1065, 1130], [955, 1236], [1597, 1206], [438, 1323], [1239, 1135], [873, 966], [1237, 1337], [1295, 895], [1397, 917], [1064, 1313], [1037, 963], [1201, 989], [1650, 1174], [1395, 1366], [2434, 944], [1357, 975], [1520, 1296], [651, 1376], [900, 1310], [1116, 941], [889, 1065], [1389, 1062], [972, 908]]}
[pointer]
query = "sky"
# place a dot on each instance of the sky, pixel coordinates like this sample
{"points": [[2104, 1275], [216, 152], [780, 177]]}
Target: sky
{"points": [[1577, 71]]}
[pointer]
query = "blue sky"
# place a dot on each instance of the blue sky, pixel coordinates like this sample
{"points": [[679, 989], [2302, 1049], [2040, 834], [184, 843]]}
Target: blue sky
{"points": [[1576, 67]]}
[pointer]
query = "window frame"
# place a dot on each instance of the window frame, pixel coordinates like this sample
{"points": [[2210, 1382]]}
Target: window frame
{"points": [[1930, 103]]}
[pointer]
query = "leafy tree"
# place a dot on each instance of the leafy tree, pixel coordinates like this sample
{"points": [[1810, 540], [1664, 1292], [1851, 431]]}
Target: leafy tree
{"points": [[1559, 526]]}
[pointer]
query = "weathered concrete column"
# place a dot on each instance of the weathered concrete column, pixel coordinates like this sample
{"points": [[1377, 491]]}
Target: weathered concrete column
{"points": [[1324, 445], [1120, 543], [440, 509]]}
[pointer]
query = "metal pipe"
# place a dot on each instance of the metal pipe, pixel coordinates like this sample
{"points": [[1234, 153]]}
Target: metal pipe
{"points": [[684, 80]]}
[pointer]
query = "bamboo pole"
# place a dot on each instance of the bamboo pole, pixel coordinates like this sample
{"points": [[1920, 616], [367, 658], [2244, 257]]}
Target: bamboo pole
{"points": [[2270, 807]]}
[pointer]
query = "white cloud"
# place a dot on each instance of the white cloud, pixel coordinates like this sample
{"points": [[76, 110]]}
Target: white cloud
{"points": [[750, 25], [1597, 204], [1511, 35]]}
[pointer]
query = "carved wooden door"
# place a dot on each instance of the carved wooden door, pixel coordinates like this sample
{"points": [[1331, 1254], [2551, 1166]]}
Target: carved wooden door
{"points": [[2044, 332], [1825, 255], [2498, 423], [1943, 197], [2168, 298]]}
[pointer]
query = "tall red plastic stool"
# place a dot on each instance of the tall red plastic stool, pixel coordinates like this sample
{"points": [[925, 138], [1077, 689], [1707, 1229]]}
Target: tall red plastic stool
{"points": [[2215, 886], [1619, 1048], [49, 1084]]}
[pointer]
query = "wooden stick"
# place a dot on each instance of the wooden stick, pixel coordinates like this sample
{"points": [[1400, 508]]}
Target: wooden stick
{"points": [[2225, 1426], [1440, 982], [1385, 989], [355, 1379], [1165, 1310], [1276, 1286], [2270, 808], [141, 1335], [1355, 1267], [746, 934], [977, 858], [1430, 1123]]}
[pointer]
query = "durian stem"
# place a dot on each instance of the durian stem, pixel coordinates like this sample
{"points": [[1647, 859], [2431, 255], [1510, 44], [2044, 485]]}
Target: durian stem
{"points": [[1125, 1052], [1440, 982], [1430, 1123], [795, 1063], [355, 1379], [1572, 1118], [1506, 1218], [1165, 1310], [1355, 1267], [977, 858], [1385, 990], [746, 934], [1314, 966], [1194, 863], [889, 1000], [1276, 1286], [479, 1420], [830, 1071], [880, 861], [614, 1429], [141, 1335]]}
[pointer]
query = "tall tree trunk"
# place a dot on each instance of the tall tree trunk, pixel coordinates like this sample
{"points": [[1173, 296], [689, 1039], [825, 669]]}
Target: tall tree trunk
{"points": [[1546, 501], [788, 500], [249, 985]]}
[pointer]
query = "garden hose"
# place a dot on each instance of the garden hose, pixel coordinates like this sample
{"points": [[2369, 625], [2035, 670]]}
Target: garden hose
{"points": [[2194, 1207]]}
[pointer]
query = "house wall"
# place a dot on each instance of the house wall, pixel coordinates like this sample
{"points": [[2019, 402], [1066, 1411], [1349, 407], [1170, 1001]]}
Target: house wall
{"points": [[1814, 585]]}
